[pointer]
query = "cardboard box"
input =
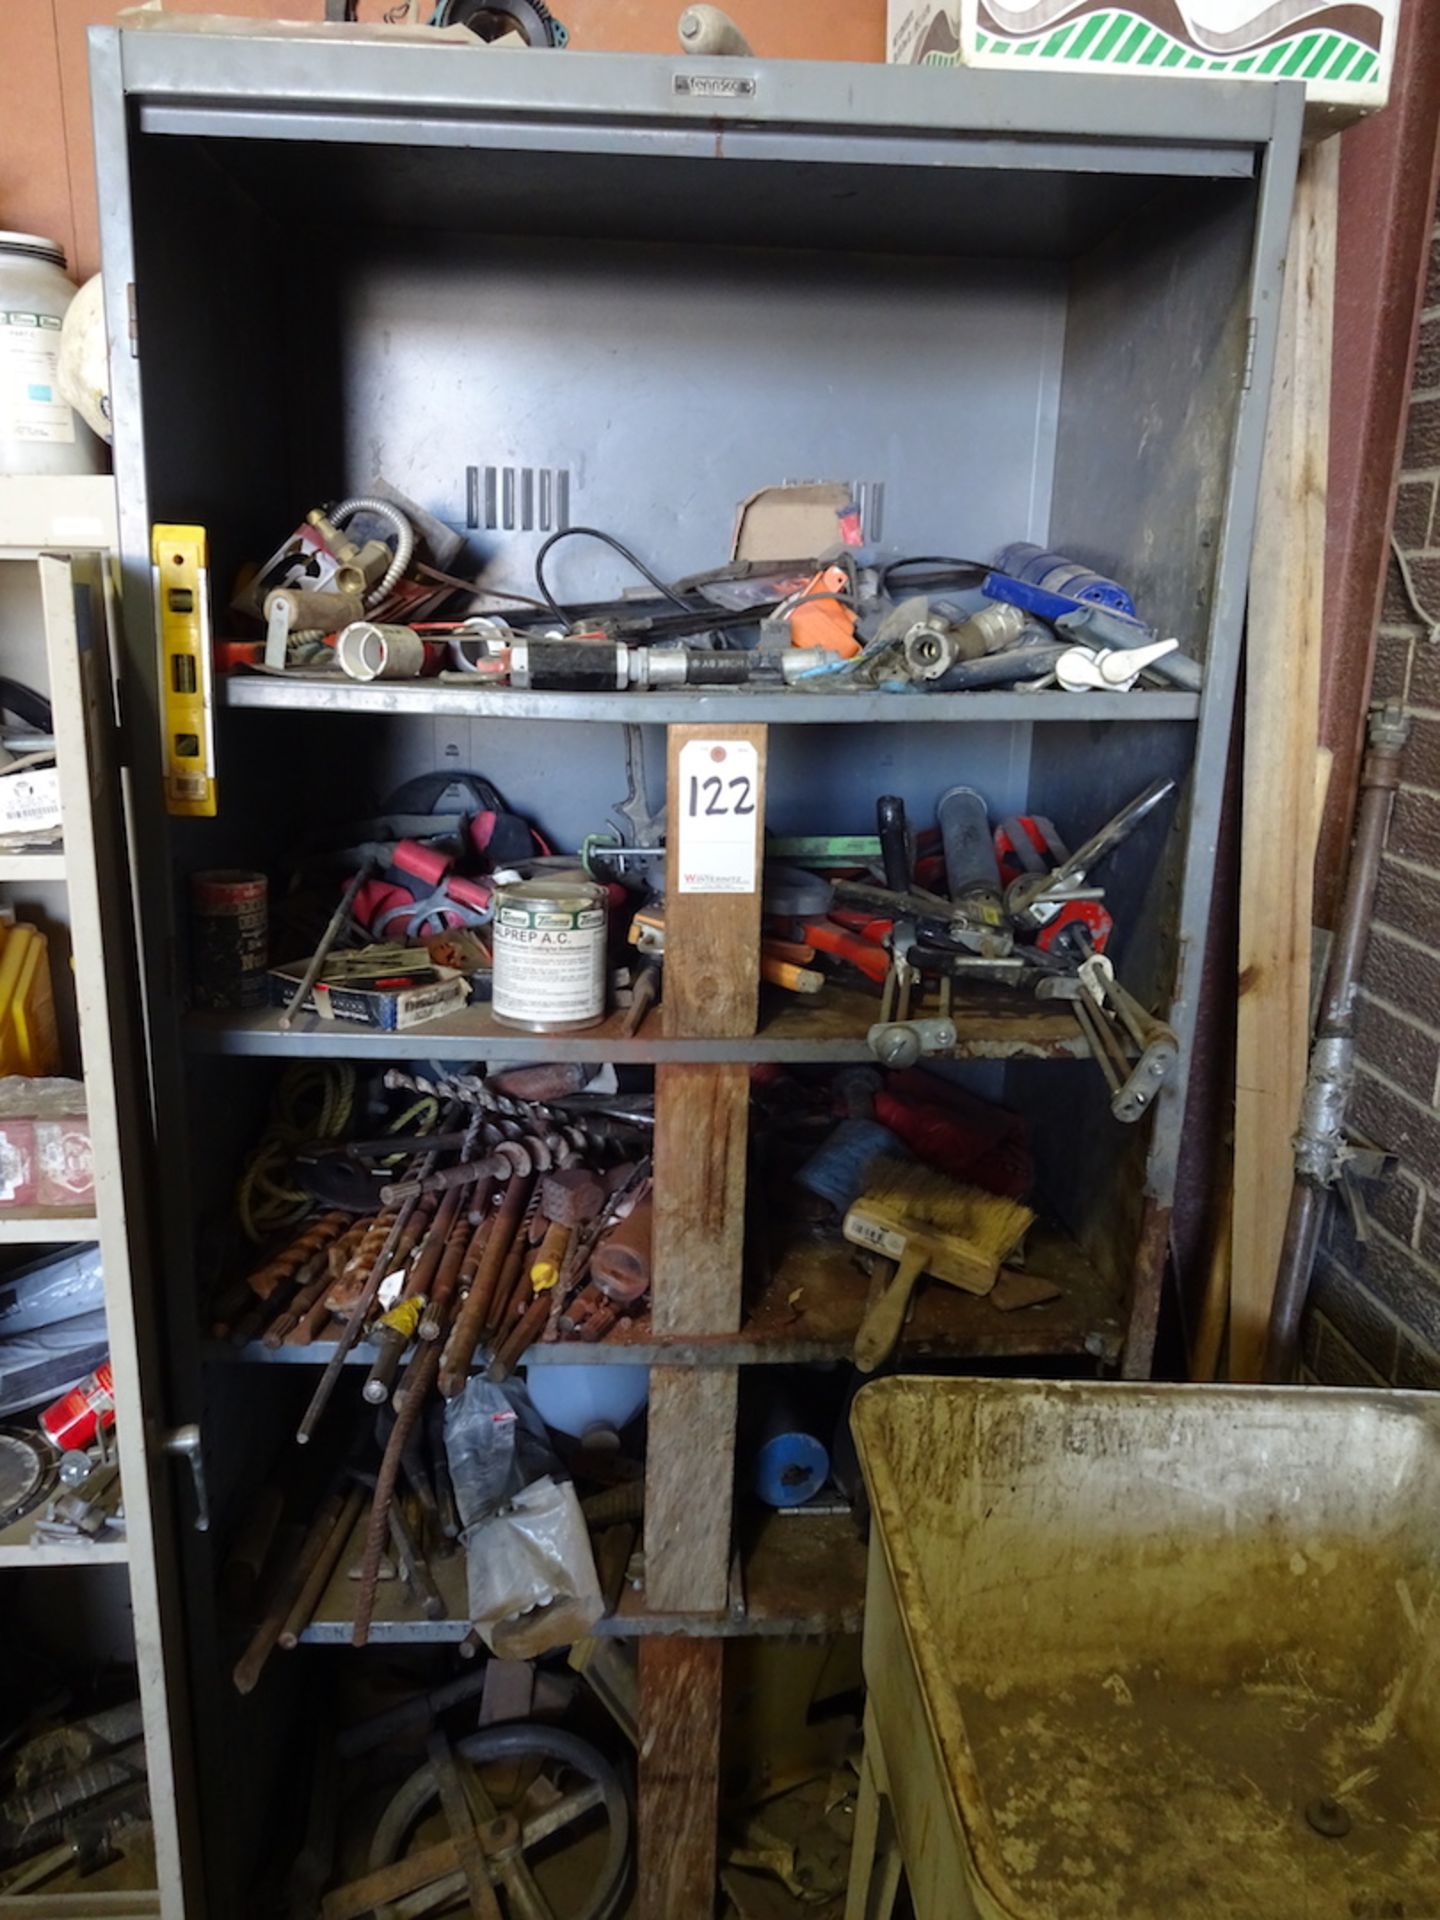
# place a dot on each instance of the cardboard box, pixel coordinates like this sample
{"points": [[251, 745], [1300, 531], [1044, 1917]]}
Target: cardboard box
{"points": [[1343, 52], [391, 996], [45, 1154]]}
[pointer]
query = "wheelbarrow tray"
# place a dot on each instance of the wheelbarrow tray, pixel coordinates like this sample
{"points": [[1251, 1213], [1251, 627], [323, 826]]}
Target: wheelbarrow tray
{"points": [[1141, 1650]]}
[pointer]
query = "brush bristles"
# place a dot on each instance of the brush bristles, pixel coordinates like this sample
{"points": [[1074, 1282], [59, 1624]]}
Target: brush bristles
{"points": [[932, 1199]]}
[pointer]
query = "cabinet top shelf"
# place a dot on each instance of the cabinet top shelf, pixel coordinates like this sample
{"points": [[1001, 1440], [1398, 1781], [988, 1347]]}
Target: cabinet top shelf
{"points": [[330, 693], [1178, 125]]}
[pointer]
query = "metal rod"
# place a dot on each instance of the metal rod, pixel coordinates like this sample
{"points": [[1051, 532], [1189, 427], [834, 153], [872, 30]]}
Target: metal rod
{"points": [[262, 1644], [333, 930], [417, 1575], [318, 1578], [351, 1330], [474, 1311], [419, 1378]]}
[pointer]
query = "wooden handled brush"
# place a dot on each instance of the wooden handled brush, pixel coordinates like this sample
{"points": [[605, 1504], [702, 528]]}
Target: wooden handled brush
{"points": [[926, 1223]]}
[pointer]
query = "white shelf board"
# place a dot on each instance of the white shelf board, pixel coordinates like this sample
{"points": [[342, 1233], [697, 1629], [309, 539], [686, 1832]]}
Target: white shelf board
{"points": [[56, 513], [49, 865], [20, 1225]]}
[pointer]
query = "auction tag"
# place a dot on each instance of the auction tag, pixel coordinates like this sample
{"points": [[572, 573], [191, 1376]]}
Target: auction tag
{"points": [[716, 808]]}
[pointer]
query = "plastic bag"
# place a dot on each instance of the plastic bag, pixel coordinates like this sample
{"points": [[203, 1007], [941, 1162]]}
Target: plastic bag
{"points": [[495, 1443], [56, 1288], [39, 1367], [532, 1579], [531, 1574]]}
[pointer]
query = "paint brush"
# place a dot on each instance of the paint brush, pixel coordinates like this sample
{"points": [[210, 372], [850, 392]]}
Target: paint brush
{"points": [[926, 1223]]}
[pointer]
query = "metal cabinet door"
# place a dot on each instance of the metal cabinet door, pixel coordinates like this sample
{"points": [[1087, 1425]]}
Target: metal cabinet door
{"points": [[78, 604]]}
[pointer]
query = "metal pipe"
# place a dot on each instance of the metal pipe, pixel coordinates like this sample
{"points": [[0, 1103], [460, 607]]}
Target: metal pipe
{"points": [[1320, 1145]]}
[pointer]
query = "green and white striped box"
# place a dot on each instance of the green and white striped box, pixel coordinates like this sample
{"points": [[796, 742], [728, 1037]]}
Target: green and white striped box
{"points": [[1341, 51]]}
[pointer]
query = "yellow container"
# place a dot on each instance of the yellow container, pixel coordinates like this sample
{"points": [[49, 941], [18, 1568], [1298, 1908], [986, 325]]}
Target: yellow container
{"points": [[29, 1043]]}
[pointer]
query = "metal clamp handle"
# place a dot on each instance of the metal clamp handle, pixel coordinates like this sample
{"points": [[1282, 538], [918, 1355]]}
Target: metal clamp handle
{"points": [[183, 1443]]}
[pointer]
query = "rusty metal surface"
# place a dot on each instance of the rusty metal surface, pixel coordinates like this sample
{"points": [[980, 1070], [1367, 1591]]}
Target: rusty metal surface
{"points": [[1152, 1625]]}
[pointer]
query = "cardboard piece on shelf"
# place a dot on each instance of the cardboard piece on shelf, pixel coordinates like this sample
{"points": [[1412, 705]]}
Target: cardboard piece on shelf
{"points": [[792, 522], [388, 988]]}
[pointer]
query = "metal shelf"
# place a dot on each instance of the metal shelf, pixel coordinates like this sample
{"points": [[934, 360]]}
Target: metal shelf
{"points": [[21, 1226], [827, 1028], [462, 699], [18, 1550], [32, 866], [808, 1311], [796, 1573]]}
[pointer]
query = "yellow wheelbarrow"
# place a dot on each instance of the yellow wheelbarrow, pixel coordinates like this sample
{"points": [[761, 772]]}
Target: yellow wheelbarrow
{"points": [[1143, 1652]]}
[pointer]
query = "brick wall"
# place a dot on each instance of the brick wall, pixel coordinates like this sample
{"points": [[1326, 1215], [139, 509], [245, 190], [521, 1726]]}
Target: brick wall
{"points": [[1375, 1305]]}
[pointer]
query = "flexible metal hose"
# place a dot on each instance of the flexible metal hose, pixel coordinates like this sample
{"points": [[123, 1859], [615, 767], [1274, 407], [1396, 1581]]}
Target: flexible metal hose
{"points": [[404, 540]]}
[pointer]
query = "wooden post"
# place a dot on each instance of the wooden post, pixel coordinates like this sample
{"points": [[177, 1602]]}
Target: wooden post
{"points": [[701, 1128], [715, 793], [1282, 699], [715, 789], [680, 1695]]}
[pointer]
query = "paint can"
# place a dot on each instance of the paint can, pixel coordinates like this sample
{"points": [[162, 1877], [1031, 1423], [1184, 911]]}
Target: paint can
{"points": [[231, 939], [548, 947]]}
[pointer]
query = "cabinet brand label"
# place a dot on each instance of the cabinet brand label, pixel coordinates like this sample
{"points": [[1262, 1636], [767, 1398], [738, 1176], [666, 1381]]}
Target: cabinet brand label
{"points": [[715, 86]]}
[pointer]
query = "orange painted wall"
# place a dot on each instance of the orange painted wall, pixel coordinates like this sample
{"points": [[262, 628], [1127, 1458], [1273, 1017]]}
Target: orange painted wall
{"points": [[46, 159]]}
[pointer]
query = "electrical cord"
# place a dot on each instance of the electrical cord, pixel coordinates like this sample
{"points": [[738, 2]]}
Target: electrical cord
{"points": [[616, 546], [311, 1103], [476, 591]]}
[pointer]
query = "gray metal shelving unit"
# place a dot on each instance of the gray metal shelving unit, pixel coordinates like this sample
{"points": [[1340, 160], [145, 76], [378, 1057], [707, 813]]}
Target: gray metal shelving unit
{"points": [[536, 290]]}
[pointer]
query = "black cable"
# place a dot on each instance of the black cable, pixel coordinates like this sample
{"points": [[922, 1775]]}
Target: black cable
{"points": [[957, 573], [609, 540], [32, 709]]}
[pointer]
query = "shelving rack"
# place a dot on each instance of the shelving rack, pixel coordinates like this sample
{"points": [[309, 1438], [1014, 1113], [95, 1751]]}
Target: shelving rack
{"points": [[1013, 306], [56, 535]]}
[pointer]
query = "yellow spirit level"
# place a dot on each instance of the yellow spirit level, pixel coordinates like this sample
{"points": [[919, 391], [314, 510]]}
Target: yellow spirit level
{"points": [[182, 600]]}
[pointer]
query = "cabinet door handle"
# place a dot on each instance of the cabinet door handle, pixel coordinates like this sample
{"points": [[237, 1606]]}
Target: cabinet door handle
{"points": [[183, 1443]]}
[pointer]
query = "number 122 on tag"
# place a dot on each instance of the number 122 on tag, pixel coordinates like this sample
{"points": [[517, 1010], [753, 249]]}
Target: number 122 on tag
{"points": [[717, 816]]}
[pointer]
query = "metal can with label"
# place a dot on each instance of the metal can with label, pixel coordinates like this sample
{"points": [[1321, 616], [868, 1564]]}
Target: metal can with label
{"points": [[548, 943]]}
